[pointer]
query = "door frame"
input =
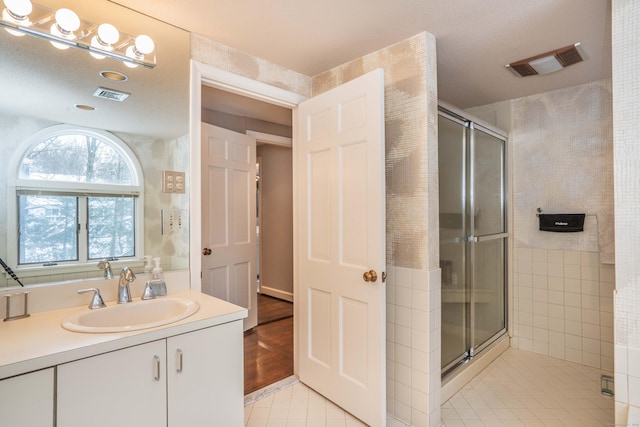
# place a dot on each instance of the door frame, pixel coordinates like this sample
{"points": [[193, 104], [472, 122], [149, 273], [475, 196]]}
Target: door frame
{"points": [[204, 74]]}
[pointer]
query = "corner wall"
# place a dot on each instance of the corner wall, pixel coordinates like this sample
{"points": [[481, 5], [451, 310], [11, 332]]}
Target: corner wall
{"points": [[413, 276], [626, 135], [562, 161]]}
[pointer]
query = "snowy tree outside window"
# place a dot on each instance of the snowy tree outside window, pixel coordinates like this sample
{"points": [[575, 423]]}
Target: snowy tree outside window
{"points": [[78, 194]]}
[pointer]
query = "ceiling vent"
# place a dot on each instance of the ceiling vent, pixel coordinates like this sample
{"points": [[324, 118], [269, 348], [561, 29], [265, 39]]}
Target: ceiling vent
{"points": [[548, 62], [111, 94]]}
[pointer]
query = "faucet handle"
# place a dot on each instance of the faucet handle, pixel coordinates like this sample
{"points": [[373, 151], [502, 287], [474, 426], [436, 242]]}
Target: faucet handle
{"points": [[148, 292], [106, 266], [96, 301]]}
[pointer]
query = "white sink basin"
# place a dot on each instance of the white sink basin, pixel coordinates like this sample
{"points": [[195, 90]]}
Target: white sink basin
{"points": [[132, 316]]}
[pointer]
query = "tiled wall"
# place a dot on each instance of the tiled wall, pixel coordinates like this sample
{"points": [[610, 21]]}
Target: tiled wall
{"points": [[564, 305], [626, 130], [413, 345], [562, 161]]}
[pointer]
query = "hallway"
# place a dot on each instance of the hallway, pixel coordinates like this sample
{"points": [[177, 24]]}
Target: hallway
{"points": [[268, 348]]}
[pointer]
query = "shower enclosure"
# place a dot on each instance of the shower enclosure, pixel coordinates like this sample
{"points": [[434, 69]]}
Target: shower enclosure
{"points": [[473, 236]]}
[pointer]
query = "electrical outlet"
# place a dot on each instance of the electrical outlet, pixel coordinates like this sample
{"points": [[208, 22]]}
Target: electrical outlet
{"points": [[173, 182]]}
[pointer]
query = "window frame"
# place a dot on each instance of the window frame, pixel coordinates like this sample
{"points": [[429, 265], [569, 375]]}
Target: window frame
{"points": [[80, 189]]}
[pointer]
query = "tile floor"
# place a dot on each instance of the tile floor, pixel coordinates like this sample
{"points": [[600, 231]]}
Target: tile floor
{"points": [[522, 388], [518, 389]]}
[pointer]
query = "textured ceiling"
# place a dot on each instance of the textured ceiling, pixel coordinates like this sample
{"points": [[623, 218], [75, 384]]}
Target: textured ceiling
{"points": [[475, 39]]}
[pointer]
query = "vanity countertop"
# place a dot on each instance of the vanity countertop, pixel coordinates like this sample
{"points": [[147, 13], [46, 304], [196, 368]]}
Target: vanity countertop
{"points": [[40, 341]]}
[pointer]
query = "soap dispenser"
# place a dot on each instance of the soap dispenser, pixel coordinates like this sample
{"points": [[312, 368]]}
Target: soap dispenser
{"points": [[157, 283], [157, 270], [148, 267]]}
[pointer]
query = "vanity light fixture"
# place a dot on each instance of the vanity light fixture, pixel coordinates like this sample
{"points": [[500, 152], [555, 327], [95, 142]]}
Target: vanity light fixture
{"points": [[64, 29], [548, 62]]}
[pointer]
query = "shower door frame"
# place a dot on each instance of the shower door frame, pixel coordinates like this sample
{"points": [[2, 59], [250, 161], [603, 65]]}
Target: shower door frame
{"points": [[470, 126]]}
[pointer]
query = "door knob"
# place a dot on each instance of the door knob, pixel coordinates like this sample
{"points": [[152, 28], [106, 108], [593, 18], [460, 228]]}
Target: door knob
{"points": [[206, 251], [370, 276]]}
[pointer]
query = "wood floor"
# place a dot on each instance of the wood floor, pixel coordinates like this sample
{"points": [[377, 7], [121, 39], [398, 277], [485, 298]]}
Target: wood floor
{"points": [[268, 348]]}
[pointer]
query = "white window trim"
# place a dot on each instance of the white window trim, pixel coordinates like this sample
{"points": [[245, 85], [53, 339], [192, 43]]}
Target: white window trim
{"points": [[14, 184]]}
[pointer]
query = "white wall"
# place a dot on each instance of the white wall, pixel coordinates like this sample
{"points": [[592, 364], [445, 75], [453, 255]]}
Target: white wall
{"points": [[626, 124]]}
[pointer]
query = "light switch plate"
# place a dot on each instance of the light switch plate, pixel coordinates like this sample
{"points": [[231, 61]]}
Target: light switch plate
{"points": [[173, 182], [174, 221]]}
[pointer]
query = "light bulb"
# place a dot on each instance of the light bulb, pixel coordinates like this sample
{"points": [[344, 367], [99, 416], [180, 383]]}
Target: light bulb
{"points": [[131, 53], [17, 12], [66, 23], [19, 9], [107, 36], [144, 44]]}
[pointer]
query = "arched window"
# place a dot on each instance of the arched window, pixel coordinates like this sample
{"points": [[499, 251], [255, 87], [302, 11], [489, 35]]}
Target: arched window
{"points": [[77, 198]]}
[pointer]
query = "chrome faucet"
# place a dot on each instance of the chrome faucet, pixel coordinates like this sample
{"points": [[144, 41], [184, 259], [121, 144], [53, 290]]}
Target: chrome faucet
{"points": [[106, 266], [126, 277]]}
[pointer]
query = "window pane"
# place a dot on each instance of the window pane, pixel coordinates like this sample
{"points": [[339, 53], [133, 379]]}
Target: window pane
{"points": [[75, 158], [111, 227], [47, 229]]}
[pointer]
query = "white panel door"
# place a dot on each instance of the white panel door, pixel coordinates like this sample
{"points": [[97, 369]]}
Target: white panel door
{"points": [[341, 235], [229, 218]]}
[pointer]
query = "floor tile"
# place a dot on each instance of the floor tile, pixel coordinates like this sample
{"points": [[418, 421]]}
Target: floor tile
{"points": [[519, 389]]}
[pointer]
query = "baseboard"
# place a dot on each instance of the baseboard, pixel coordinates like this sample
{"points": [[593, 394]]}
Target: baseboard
{"points": [[276, 293], [469, 370], [270, 389]]}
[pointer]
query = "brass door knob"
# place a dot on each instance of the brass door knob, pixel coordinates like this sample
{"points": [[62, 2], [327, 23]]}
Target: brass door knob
{"points": [[206, 251], [370, 276]]}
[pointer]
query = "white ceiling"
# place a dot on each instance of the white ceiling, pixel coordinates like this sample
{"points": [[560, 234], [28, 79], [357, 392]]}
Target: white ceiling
{"points": [[475, 39]]}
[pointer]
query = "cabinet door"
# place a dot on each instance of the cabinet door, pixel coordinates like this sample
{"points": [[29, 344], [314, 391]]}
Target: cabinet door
{"points": [[122, 388], [20, 395], [205, 377]]}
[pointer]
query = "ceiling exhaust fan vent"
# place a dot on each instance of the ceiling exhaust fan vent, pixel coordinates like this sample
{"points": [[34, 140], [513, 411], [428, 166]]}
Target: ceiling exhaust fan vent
{"points": [[569, 56], [110, 94], [548, 62]]}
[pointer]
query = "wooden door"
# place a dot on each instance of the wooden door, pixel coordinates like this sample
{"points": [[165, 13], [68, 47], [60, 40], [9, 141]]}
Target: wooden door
{"points": [[341, 236], [229, 218]]}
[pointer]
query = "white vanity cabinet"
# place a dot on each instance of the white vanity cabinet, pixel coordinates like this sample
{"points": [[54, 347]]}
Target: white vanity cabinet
{"points": [[34, 388], [205, 377], [194, 379], [121, 388]]}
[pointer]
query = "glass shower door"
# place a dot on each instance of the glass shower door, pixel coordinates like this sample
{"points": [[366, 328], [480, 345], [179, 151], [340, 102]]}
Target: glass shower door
{"points": [[472, 237], [452, 166], [488, 237]]}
